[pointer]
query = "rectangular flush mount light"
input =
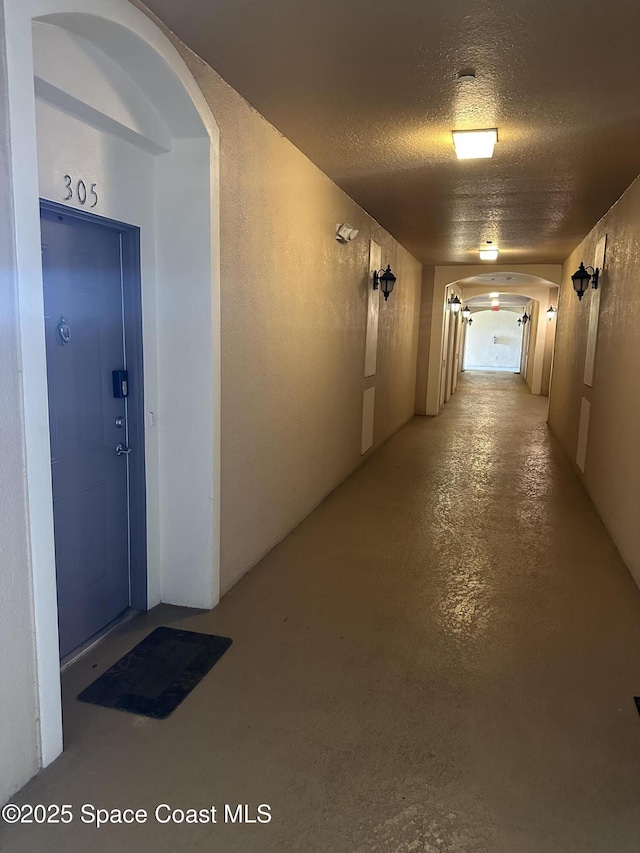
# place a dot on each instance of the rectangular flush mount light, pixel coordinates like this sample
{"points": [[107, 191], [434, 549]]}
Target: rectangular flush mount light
{"points": [[474, 144], [488, 254]]}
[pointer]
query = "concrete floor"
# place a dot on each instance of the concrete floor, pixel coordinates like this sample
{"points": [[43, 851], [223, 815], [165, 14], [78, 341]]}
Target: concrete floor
{"points": [[442, 657]]}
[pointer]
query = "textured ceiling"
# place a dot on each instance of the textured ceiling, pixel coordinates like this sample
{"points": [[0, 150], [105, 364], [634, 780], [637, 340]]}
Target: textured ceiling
{"points": [[493, 279], [368, 90]]}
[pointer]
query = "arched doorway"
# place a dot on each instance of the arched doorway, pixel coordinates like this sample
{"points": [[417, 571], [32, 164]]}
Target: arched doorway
{"points": [[116, 111]]}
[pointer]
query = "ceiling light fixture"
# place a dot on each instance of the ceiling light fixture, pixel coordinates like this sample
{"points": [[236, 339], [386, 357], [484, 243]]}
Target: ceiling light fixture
{"points": [[494, 295], [581, 278], [489, 254], [474, 144]]}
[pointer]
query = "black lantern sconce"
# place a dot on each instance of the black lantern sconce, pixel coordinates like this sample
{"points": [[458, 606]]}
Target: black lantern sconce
{"points": [[551, 312], [470, 320], [385, 280], [466, 313], [455, 304], [581, 278], [525, 318]]}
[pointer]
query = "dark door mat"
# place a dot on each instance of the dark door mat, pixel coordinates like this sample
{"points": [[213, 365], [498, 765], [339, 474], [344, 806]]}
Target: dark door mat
{"points": [[158, 673]]}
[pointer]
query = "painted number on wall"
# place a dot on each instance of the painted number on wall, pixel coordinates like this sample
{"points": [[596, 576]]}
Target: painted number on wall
{"points": [[79, 191]]}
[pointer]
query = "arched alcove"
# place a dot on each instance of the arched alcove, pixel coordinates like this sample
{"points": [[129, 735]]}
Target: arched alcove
{"points": [[114, 102], [538, 282]]}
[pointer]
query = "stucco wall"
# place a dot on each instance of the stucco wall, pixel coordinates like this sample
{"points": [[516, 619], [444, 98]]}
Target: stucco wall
{"points": [[550, 325], [532, 310], [612, 470], [426, 312], [294, 307], [18, 736]]}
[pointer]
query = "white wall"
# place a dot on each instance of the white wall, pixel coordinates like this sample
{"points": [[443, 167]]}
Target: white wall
{"points": [[482, 353], [18, 731]]}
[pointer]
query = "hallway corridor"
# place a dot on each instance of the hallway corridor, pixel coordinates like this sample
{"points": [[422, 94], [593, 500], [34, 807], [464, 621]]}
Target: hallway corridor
{"points": [[442, 657]]}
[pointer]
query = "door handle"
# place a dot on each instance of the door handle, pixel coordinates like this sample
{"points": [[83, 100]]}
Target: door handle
{"points": [[122, 449], [64, 331]]}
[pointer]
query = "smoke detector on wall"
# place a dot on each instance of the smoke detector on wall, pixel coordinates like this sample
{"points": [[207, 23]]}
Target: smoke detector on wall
{"points": [[345, 233]]}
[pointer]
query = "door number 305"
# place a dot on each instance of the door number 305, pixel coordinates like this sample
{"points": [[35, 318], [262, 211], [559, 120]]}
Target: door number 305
{"points": [[80, 191]]}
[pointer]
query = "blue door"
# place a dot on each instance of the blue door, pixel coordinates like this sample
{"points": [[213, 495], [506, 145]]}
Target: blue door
{"points": [[84, 328]]}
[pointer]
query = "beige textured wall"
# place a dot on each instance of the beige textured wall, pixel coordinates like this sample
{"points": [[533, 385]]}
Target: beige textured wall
{"points": [[532, 310], [18, 736], [548, 347], [294, 306], [612, 472], [539, 337], [524, 353], [424, 343], [398, 337]]}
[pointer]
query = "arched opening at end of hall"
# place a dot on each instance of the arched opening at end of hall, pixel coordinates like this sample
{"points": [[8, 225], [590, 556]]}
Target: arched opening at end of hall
{"points": [[504, 322], [512, 333], [494, 339]]}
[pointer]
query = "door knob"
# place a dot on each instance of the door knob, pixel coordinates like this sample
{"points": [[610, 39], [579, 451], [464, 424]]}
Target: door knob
{"points": [[122, 450]]}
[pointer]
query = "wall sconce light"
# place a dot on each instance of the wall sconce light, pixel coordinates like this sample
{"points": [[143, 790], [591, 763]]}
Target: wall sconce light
{"points": [[551, 312], [581, 278], [466, 312], [385, 280], [519, 321], [525, 318], [470, 320], [454, 303], [345, 233]]}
